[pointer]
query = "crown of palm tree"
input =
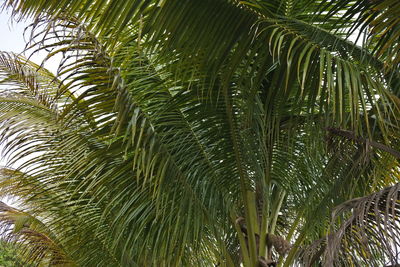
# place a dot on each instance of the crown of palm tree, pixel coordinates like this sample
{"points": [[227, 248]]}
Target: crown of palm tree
{"points": [[201, 133]]}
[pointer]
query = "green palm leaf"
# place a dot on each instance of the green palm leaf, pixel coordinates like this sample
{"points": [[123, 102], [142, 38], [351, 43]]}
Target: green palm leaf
{"points": [[195, 133]]}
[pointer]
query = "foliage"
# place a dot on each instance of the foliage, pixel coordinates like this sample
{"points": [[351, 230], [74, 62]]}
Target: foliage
{"points": [[8, 256], [200, 133]]}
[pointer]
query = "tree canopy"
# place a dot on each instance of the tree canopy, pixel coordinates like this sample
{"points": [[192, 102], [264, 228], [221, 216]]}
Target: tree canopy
{"points": [[204, 133], [8, 256]]}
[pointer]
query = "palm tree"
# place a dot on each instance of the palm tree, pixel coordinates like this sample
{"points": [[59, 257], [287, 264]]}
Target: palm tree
{"points": [[204, 133]]}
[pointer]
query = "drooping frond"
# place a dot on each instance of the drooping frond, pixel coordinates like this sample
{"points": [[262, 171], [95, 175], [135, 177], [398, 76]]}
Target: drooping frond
{"points": [[313, 63], [365, 231], [89, 136], [31, 239]]}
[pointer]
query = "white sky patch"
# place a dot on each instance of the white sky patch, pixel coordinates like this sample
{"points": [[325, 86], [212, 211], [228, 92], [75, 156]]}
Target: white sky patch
{"points": [[11, 33], [12, 39]]}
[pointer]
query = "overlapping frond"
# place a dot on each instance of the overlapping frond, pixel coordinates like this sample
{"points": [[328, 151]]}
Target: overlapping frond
{"points": [[168, 120], [101, 176]]}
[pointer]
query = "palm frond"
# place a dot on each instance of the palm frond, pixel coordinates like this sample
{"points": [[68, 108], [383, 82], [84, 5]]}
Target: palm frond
{"points": [[32, 240], [170, 120]]}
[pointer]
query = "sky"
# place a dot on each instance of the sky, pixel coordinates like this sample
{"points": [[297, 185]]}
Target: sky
{"points": [[11, 33], [11, 40]]}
